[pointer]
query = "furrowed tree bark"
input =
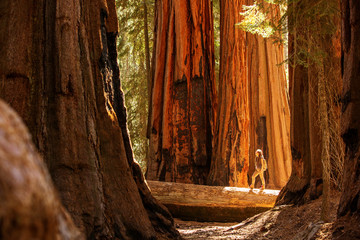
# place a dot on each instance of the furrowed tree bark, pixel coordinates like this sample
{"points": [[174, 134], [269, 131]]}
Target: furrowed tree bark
{"points": [[300, 127], [30, 205], [325, 140], [230, 159], [269, 104], [58, 69], [349, 205], [308, 130], [328, 72], [183, 92]]}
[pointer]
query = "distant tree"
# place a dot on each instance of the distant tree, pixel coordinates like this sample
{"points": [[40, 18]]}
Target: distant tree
{"points": [[268, 93], [183, 92], [230, 157], [134, 46]]}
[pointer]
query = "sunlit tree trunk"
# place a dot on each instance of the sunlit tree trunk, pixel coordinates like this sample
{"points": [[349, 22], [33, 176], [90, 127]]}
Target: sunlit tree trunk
{"points": [[183, 92], [58, 69], [230, 160], [350, 119], [269, 106]]}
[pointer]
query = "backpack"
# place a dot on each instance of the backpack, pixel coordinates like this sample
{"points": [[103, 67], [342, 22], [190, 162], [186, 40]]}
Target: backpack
{"points": [[264, 164], [260, 164]]}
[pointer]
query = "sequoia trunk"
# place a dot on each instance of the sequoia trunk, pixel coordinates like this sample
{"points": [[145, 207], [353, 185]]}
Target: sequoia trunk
{"points": [[309, 136], [58, 69], [30, 206], [350, 118], [269, 104], [230, 159], [183, 92]]}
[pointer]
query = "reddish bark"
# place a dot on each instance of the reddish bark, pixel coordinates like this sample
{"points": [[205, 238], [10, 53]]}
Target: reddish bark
{"points": [[30, 206], [58, 69], [183, 92], [269, 107], [349, 207], [230, 160]]}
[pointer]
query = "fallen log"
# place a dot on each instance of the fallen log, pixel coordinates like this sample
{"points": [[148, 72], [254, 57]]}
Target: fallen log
{"points": [[212, 203]]}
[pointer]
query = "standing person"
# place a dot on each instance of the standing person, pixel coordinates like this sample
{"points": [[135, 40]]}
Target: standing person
{"points": [[260, 168]]}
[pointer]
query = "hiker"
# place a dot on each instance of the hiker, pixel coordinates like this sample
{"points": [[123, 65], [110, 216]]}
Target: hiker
{"points": [[260, 168]]}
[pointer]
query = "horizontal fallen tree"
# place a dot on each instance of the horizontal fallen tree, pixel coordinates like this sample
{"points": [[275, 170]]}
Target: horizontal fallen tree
{"points": [[212, 203]]}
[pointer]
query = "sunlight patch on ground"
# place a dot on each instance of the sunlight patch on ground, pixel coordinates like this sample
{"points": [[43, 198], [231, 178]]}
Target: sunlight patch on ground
{"points": [[255, 190]]}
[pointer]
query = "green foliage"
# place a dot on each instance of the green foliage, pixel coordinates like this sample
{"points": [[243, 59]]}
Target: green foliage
{"points": [[131, 59], [216, 14], [311, 22], [255, 21]]}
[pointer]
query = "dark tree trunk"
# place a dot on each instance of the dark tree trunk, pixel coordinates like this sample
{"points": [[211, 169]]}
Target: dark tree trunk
{"points": [[183, 92], [30, 206], [148, 66], [306, 164], [306, 180], [349, 207], [58, 70], [269, 106], [230, 159]]}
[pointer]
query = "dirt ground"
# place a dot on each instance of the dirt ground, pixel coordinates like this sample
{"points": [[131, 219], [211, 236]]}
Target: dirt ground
{"points": [[284, 222]]}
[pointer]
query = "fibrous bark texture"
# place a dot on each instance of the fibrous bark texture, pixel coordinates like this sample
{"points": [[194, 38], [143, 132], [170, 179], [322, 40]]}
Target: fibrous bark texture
{"points": [[230, 160], [304, 141], [30, 206], [58, 69], [308, 134], [183, 92], [350, 118], [269, 104]]}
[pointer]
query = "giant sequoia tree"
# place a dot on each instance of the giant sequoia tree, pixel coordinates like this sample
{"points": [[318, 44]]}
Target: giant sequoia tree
{"points": [[269, 107], [58, 69], [183, 92], [230, 160], [30, 206], [313, 47], [350, 200]]}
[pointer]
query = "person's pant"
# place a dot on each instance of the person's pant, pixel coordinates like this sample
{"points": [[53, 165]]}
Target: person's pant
{"points": [[255, 174]]}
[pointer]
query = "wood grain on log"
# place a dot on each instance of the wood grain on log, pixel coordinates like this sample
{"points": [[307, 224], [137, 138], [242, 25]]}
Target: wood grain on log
{"points": [[212, 203]]}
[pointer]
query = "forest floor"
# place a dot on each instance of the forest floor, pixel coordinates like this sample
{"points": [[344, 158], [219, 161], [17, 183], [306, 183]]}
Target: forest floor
{"points": [[284, 222]]}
